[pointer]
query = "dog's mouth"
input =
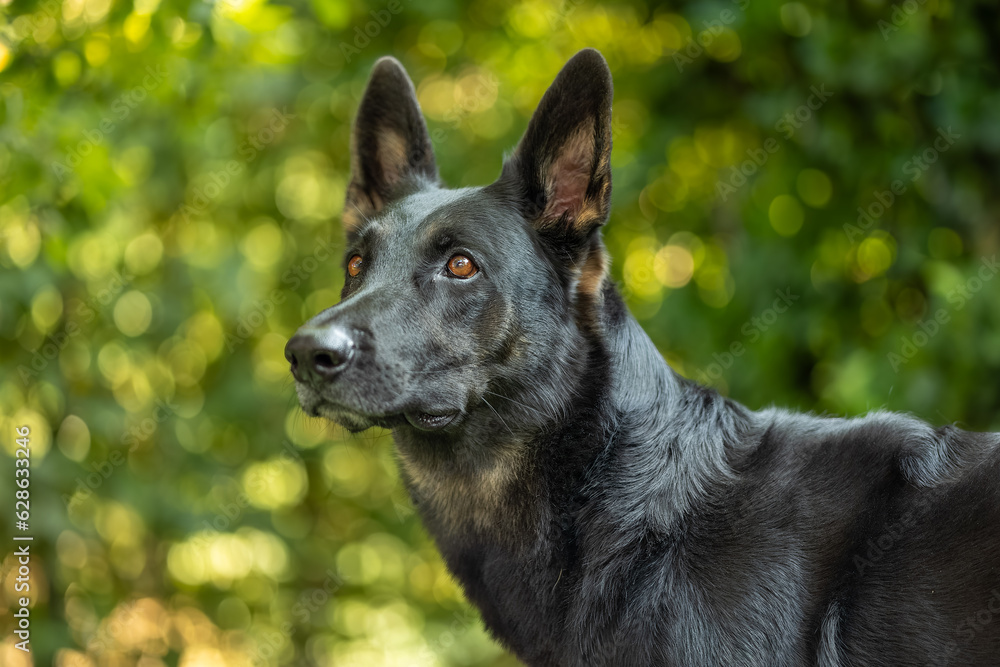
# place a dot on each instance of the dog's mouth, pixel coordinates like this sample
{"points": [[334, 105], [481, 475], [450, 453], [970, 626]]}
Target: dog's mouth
{"points": [[358, 421], [426, 421]]}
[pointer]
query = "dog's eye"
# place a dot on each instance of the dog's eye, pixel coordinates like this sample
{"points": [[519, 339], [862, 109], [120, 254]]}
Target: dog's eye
{"points": [[354, 266], [461, 266]]}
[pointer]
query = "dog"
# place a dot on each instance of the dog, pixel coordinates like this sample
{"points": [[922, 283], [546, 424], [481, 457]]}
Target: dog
{"points": [[598, 508]]}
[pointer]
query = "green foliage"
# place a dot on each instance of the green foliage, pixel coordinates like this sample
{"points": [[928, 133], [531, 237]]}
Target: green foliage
{"points": [[805, 213]]}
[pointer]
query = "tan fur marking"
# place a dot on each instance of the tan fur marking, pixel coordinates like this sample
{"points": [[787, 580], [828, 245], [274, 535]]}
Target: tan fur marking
{"points": [[350, 219], [595, 268], [358, 207], [465, 500], [587, 215]]}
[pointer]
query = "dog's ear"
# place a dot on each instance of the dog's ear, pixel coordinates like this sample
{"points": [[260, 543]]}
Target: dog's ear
{"points": [[390, 147], [561, 169]]}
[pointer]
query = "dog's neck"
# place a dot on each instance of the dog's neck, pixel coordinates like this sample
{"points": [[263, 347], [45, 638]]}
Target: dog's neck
{"points": [[511, 520]]}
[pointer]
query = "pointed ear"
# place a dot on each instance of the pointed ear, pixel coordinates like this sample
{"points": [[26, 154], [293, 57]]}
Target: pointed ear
{"points": [[561, 169], [390, 147]]}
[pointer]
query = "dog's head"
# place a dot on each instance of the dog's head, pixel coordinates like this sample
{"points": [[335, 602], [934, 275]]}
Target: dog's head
{"points": [[468, 306]]}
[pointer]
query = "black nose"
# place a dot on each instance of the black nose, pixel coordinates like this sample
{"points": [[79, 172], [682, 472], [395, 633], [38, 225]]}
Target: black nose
{"points": [[319, 354]]}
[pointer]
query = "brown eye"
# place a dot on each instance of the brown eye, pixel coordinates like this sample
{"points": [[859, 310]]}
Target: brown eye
{"points": [[354, 266], [461, 266]]}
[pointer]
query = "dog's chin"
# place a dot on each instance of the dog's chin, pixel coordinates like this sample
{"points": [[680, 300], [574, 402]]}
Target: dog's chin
{"points": [[353, 421]]}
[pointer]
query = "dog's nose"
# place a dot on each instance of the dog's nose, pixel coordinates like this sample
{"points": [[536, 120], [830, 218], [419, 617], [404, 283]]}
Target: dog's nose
{"points": [[319, 354]]}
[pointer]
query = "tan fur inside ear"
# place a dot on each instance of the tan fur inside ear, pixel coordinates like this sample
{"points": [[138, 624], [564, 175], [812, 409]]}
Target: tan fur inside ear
{"points": [[392, 156], [568, 176], [362, 202], [591, 211]]}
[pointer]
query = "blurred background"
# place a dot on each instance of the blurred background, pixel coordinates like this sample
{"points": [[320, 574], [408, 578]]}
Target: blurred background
{"points": [[805, 213]]}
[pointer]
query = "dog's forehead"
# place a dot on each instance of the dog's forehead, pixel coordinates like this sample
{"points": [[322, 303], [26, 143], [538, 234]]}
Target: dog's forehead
{"points": [[433, 200], [429, 214]]}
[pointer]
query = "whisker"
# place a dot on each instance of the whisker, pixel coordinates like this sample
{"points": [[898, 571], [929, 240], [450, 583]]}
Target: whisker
{"points": [[526, 407], [443, 369], [498, 415], [363, 216]]}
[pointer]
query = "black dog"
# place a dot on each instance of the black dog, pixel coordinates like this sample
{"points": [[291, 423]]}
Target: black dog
{"points": [[598, 508]]}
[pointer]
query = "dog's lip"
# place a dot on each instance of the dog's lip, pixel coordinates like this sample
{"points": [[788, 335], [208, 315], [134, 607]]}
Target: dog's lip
{"points": [[426, 421]]}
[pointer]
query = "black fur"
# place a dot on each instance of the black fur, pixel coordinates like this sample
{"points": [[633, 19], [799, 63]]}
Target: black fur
{"points": [[596, 507]]}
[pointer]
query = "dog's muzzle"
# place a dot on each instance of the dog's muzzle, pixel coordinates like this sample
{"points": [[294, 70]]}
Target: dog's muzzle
{"points": [[320, 354]]}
